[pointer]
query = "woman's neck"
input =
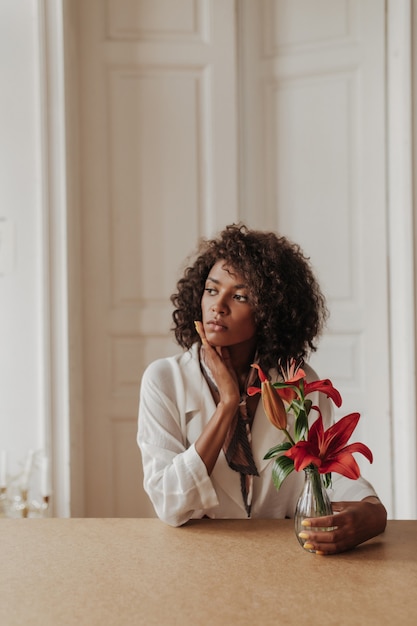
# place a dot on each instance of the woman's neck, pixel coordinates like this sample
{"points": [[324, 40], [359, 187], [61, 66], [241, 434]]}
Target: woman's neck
{"points": [[242, 357]]}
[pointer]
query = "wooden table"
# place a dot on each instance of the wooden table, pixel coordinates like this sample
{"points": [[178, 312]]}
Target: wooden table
{"points": [[226, 572]]}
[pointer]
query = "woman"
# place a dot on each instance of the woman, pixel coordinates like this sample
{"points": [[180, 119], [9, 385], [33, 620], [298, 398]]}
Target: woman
{"points": [[248, 296]]}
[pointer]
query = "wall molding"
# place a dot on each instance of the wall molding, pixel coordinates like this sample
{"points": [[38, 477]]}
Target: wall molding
{"points": [[401, 256], [55, 373]]}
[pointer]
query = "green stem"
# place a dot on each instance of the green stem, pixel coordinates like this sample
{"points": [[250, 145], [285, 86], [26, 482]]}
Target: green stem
{"points": [[291, 440], [317, 488]]}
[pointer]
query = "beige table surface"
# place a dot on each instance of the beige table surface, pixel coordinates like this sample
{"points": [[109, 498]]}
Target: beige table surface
{"points": [[141, 571]]}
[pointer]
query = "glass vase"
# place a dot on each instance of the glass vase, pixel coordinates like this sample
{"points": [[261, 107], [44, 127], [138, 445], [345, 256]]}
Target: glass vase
{"points": [[314, 501]]}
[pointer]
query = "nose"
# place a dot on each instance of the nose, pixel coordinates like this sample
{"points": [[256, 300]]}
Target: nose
{"points": [[219, 306]]}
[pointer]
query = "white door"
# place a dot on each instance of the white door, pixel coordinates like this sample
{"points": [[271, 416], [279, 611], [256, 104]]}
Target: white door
{"points": [[158, 169], [313, 97]]}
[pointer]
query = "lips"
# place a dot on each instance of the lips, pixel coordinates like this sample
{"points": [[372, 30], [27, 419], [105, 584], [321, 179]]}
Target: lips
{"points": [[216, 326]]}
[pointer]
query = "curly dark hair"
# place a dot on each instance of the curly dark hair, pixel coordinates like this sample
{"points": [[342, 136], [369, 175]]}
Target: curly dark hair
{"points": [[289, 307]]}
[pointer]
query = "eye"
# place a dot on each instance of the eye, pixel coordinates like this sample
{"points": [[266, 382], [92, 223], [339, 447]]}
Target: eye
{"points": [[210, 290], [241, 298]]}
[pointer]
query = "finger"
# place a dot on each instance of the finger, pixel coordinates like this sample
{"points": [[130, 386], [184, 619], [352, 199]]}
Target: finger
{"points": [[320, 537], [200, 330], [321, 550], [325, 522]]}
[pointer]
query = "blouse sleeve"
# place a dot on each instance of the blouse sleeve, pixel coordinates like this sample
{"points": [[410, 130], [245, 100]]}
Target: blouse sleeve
{"points": [[175, 477]]}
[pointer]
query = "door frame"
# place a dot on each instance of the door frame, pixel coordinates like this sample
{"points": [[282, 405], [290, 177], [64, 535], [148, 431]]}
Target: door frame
{"points": [[62, 265], [401, 31], [62, 349]]}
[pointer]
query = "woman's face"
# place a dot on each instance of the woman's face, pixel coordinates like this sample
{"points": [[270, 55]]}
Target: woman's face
{"points": [[228, 317]]}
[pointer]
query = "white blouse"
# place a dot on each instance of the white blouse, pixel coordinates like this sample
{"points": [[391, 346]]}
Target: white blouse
{"points": [[175, 405]]}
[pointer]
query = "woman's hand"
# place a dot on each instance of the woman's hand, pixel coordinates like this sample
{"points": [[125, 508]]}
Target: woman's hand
{"points": [[353, 523], [219, 363]]}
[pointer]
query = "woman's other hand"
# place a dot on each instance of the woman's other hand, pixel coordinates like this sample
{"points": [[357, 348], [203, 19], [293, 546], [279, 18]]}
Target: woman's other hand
{"points": [[353, 523]]}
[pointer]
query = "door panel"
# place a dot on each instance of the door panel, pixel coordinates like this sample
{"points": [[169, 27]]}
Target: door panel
{"points": [[316, 80], [158, 141]]}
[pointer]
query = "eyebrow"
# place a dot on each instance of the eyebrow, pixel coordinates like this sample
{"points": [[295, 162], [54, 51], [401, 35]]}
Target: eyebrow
{"points": [[217, 282]]}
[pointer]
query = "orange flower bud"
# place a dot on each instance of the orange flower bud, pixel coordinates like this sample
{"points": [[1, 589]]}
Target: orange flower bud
{"points": [[271, 400], [273, 406]]}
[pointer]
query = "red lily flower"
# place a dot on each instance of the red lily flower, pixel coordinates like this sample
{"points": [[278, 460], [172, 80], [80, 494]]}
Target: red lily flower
{"points": [[273, 405], [328, 450]]}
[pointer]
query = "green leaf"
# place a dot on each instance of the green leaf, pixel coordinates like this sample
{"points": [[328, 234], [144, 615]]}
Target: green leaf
{"points": [[301, 425], [287, 386], [297, 405], [281, 447], [284, 385], [295, 408], [283, 466]]}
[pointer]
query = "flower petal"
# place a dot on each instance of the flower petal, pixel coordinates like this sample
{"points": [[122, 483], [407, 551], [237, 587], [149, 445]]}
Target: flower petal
{"points": [[325, 386], [359, 447], [303, 453], [316, 433], [288, 394], [261, 375], [343, 464], [337, 436]]}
